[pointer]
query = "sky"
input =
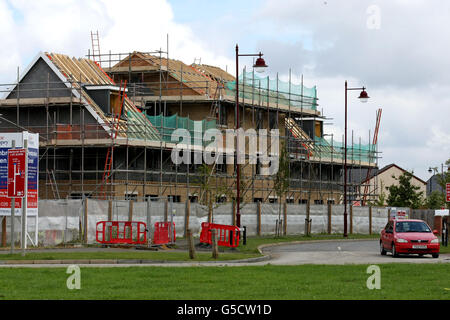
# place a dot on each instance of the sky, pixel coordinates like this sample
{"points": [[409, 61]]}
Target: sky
{"points": [[397, 49]]}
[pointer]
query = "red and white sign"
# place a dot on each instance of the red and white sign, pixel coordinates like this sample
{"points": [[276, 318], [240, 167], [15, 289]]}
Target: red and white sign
{"points": [[32, 172], [16, 173], [401, 214], [447, 188], [398, 214]]}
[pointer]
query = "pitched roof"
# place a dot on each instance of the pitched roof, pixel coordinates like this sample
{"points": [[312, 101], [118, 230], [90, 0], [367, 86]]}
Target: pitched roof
{"points": [[203, 79], [89, 72], [392, 165], [76, 73]]}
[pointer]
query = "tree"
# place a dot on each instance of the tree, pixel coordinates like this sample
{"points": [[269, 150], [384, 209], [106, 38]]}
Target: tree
{"points": [[209, 191], [405, 194], [381, 201], [281, 181], [435, 200]]}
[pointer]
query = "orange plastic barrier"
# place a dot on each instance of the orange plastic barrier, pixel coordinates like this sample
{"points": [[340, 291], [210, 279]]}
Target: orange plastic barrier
{"points": [[164, 233], [121, 232], [227, 236]]}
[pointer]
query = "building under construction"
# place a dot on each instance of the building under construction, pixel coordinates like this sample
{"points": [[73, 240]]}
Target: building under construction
{"points": [[106, 121]]}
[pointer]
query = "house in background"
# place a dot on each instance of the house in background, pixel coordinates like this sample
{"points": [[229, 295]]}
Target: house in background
{"points": [[386, 179], [433, 183]]}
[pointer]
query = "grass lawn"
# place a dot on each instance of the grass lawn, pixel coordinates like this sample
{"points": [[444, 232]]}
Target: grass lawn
{"points": [[132, 254], [398, 281], [242, 252], [445, 249]]}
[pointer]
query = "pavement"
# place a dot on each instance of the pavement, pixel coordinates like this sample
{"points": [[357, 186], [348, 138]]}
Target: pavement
{"points": [[296, 253]]}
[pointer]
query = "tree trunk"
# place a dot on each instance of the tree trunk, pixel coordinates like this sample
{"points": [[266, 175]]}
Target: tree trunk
{"points": [[279, 217], [210, 210], [215, 247], [191, 245]]}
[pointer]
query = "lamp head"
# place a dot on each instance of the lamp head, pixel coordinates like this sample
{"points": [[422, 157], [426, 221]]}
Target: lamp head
{"points": [[363, 96], [260, 64]]}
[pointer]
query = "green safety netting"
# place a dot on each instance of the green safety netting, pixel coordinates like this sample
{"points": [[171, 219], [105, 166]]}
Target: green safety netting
{"points": [[263, 90], [167, 125], [335, 150], [138, 127]]}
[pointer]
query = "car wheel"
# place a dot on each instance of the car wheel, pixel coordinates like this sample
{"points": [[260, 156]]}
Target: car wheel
{"points": [[394, 251], [435, 255], [382, 251]]}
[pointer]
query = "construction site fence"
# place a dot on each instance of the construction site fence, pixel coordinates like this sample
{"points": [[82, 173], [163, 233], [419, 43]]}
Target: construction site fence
{"points": [[64, 222]]}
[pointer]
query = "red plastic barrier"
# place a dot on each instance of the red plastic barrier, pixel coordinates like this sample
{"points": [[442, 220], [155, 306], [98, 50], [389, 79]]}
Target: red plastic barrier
{"points": [[227, 236], [164, 233], [121, 232]]}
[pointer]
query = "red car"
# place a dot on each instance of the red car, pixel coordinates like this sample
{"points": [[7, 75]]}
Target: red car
{"points": [[409, 236]]}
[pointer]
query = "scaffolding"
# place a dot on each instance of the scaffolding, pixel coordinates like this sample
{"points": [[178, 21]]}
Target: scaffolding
{"points": [[77, 133]]}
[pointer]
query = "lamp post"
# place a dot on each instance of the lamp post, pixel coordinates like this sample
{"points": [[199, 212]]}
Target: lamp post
{"points": [[363, 97], [259, 66]]}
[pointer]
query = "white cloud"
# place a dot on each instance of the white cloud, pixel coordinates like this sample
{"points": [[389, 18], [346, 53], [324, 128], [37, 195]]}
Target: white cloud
{"points": [[64, 26], [439, 139], [146, 29], [408, 52], [9, 54]]}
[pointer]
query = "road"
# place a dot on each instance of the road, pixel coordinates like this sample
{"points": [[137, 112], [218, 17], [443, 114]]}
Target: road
{"points": [[309, 252], [340, 252]]}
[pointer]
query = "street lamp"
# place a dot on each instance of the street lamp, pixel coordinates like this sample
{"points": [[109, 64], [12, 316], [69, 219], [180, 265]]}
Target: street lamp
{"points": [[259, 66], [363, 97]]}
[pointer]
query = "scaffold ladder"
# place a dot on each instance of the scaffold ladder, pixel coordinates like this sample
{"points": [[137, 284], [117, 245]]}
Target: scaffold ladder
{"points": [[374, 142], [95, 39], [214, 112], [53, 184]]}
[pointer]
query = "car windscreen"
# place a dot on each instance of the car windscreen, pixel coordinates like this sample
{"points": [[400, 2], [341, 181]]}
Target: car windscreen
{"points": [[411, 226]]}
